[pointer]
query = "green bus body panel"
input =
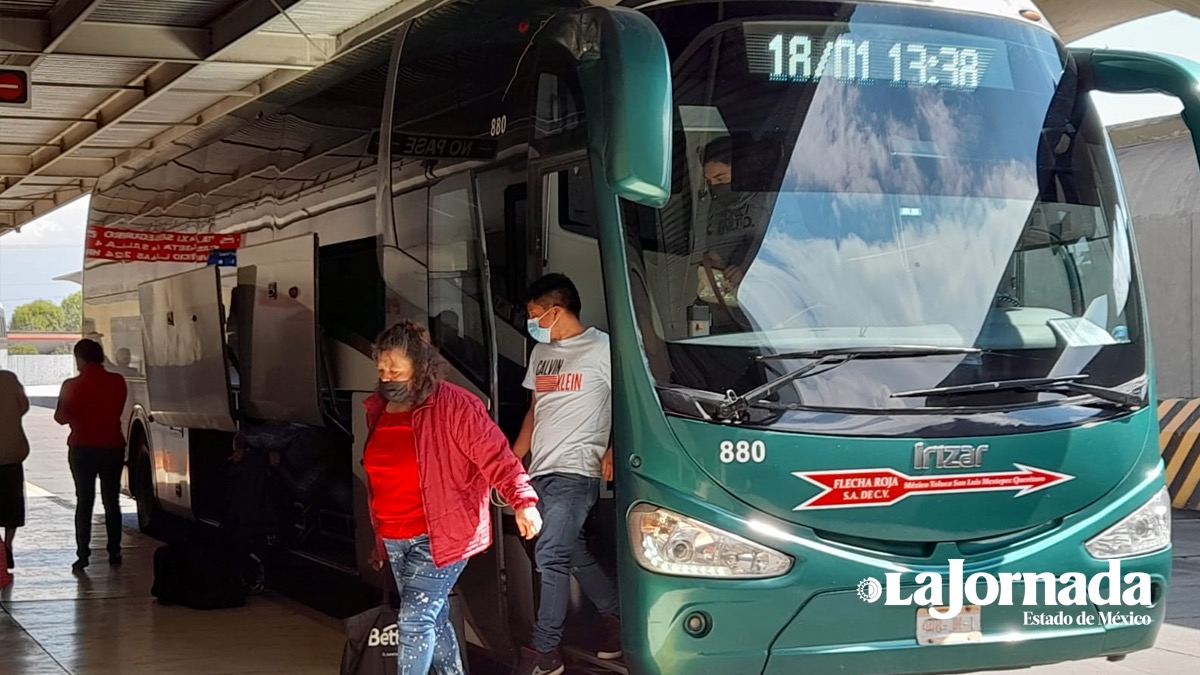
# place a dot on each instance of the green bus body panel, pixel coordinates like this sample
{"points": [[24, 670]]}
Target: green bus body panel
{"points": [[811, 619], [1096, 458], [626, 77], [761, 625]]}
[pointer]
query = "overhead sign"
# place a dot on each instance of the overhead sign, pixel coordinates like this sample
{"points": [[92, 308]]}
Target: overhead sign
{"points": [[222, 258], [15, 89], [428, 146], [884, 487], [110, 243]]}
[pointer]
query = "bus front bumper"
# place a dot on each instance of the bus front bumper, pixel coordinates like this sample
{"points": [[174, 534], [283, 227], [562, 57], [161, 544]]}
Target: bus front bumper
{"points": [[839, 633], [783, 630]]}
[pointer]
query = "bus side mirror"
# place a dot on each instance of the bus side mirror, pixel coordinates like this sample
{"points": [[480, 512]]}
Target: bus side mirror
{"points": [[1121, 72], [626, 78]]}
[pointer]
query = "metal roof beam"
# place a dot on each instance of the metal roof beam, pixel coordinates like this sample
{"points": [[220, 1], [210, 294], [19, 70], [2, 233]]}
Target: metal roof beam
{"points": [[244, 19], [139, 42], [66, 16], [221, 108], [111, 112], [38, 207], [236, 31], [232, 39], [70, 167]]}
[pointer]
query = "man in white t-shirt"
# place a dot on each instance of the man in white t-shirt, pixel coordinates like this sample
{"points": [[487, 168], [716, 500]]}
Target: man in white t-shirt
{"points": [[567, 429]]}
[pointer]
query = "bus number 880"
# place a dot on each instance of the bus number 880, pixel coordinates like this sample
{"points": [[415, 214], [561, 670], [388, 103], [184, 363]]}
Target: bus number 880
{"points": [[743, 452]]}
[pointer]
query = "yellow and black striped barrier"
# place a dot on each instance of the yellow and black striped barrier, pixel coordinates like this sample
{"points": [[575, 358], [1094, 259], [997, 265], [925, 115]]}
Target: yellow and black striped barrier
{"points": [[1179, 430]]}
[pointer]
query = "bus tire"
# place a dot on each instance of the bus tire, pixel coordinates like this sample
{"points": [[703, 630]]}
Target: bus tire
{"points": [[150, 515]]}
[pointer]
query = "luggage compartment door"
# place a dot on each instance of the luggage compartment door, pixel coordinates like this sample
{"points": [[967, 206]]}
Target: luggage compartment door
{"points": [[278, 334], [183, 335]]}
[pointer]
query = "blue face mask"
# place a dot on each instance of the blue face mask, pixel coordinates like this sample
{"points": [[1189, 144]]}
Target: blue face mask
{"points": [[537, 332]]}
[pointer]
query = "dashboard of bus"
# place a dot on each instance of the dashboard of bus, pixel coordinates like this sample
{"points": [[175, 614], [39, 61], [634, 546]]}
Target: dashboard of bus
{"points": [[885, 178]]}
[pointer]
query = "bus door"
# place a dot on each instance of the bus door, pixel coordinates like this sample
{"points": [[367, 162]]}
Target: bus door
{"points": [[278, 343], [463, 328], [562, 201], [187, 374], [571, 246]]}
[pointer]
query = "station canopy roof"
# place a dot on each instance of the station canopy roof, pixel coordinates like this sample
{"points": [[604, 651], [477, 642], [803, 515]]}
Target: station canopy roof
{"points": [[114, 79]]}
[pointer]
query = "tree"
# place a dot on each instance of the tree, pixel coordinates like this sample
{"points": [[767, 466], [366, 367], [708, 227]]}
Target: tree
{"points": [[22, 349], [39, 316], [72, 307]]}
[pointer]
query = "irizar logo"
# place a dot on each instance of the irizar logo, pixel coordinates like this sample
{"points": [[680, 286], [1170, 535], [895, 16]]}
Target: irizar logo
{"points": [[1072, 588], [388, 637]]}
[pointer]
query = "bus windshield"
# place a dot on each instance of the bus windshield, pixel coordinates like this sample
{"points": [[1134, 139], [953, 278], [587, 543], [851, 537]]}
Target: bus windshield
{"points": [[875, 177]]}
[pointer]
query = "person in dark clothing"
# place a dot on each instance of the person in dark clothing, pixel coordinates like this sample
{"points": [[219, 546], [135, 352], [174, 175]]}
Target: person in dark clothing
{"points": [[92, 404], [257, 497], [14, 448], [123, 361], [729, 241]]}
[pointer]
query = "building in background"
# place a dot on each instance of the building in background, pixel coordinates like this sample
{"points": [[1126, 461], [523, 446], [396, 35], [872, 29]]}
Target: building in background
{"points": [[1158, 165]]}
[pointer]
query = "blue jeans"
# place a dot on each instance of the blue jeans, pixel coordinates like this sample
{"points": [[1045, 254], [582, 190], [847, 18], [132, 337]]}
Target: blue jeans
{"points": [[425, 634], [561, 551]]}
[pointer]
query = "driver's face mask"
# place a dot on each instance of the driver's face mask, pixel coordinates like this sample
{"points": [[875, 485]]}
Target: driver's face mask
{"points": [[721, 193]]}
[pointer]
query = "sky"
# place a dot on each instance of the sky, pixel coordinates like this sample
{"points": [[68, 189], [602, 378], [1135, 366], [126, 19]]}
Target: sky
{"points": [[53, 244]]}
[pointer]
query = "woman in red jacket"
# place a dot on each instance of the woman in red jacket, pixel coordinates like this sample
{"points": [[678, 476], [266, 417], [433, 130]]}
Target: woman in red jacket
{"points": [[431, 457]]}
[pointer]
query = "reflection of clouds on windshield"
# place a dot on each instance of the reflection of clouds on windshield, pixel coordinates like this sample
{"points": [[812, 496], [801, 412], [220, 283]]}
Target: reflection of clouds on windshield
{"points": [[893, 149], [889, 259], [1122, 261], [946, 272]]}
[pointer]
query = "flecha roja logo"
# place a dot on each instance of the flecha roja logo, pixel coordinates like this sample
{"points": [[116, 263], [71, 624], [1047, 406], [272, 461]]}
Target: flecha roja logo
{"points": [[1070, 589]]}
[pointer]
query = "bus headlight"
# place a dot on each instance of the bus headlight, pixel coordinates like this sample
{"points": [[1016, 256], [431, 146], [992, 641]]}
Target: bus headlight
{"points": [[670, 543], [1146, 530]]}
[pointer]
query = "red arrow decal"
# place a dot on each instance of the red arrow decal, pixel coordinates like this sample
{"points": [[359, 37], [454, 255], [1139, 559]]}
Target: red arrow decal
{"points": [[884, 487]]}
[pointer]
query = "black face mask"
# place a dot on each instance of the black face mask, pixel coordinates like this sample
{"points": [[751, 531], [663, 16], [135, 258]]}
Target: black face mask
{"points": [[721, 193], [396, 392]]}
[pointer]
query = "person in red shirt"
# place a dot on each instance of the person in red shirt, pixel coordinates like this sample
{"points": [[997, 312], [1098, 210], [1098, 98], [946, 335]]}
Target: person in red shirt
{"points": [[92, 404], [432, 455]]}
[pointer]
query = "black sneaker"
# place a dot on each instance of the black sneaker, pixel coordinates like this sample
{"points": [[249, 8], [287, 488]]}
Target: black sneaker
{"points": [[79, 564], [115, 560], [610, 648], [537, 663]]}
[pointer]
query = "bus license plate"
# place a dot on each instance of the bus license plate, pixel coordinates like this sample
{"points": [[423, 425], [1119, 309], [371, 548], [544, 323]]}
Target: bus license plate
{"points": [[966, 627]]}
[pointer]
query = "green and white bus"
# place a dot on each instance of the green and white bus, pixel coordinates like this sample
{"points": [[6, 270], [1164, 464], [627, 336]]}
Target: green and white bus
{"points": [[867, 268]]}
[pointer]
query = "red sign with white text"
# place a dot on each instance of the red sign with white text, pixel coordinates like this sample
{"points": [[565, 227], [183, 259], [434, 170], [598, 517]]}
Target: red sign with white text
{"points": [[110, 243], [14, 87], [884, 487]]}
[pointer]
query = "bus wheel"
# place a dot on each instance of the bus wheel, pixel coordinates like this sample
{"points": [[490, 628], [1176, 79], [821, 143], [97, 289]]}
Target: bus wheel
{"points": [[150, 516]]}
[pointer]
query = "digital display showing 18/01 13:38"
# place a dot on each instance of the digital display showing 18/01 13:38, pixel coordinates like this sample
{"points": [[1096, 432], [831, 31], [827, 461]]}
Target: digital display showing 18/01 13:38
{"points": [[803, 57]]}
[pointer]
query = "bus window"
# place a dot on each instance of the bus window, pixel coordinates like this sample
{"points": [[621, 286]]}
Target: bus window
{"points": [[409, 220], [456, 320], [560, 125], [576, 203], [572, 244], [503, 197]]}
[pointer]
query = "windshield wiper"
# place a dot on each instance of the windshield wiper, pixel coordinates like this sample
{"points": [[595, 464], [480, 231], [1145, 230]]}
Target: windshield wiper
{"points": [[1065, 384], [736, 405], [880, 352]]}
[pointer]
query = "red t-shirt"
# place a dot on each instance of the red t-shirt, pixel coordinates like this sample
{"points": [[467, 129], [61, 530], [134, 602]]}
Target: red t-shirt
{"points": [[390, 460], [92, 403]]}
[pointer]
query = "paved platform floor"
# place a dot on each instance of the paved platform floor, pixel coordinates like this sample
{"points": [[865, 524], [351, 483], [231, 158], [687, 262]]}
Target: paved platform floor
{"points": [[103, 621]]}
